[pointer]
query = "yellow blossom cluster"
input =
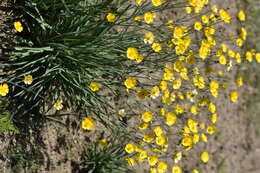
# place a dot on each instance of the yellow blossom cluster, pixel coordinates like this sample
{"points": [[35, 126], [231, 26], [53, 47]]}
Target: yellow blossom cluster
{"points": [[189, 85]]}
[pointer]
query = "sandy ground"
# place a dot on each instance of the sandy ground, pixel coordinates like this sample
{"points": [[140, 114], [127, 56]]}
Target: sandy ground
{"points": [[235, 147]]}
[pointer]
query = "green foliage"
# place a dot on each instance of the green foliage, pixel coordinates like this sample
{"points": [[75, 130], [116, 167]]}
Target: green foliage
{"points": [[5, 119], [22, 158], [65, 45], [109, 159]]}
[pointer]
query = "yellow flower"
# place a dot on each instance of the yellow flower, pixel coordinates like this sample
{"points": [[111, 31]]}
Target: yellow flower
{"points": [[58, 105], [148, 38], [212, 107], [239, 42], [152, 160], [187, 141], [204, 137], [193, 125], [28, 79], [149, 17], [168, 74], [153, 170], [158, 131], [204, 157], [234, 96], [257, 57], [181, 96], [204, 49], [213, 18], [148, 137], [199, 82], [204, 101], [130, 161], [166, 97], [155, 92], [243, 33], [157, 3], [132, 53], [162, 112], [178, 66], [214, 9], [147, 116], [196, 71], [205, 19], [111, 17], [214, 86], [210, 40], [185, 131], [197, 25], [223, 47], [202, 125], [170, 24], [231, 53], [195, 171], [88, 123], [222, 60], [138, 148], [249, 56], [103, 143], [241, 16], [177, 157], [139, 58], [225, 85], [4, 89], [184, 75], [161, 140], [239, 81], [18, 26], [211, 129], [139, 159], [121, 114], [162, 167], [196, 138], [130, 83], [172, 97], [142, 94], [214, 118], [143, 126], [176, 84], [179, 31], [225, 16], [143, 154], [188, 10], [176, 169], [163, 85], [129, 148], [179, 109], [194, 110], [238, 58], [139, 2], [138, 18], [170, 118], [94, 86], [156, 47]]}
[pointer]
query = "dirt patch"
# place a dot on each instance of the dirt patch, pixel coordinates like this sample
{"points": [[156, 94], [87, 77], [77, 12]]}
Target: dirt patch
{"points": [[235, 147]]}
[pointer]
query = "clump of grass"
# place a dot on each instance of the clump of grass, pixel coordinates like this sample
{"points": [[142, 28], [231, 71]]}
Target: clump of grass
{"points": [[98, 159], [64, 46], [24, 159], [5, 118], [69, 50]]}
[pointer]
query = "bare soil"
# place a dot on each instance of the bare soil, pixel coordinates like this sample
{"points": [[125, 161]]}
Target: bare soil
{"points": [[235, 147]]}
